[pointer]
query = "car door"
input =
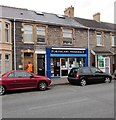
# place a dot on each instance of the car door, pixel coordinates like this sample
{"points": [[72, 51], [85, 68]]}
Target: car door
{"points": [[10, 82], [86, 73], [97, 74], [23, 80]]}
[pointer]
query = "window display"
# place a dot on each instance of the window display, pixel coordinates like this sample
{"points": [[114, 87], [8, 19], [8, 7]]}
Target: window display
{"points": [[55, 66], [62, 66]]}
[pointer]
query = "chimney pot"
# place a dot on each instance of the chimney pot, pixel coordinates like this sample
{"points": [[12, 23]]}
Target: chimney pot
{"points": [[96, 17], [69, 11]]}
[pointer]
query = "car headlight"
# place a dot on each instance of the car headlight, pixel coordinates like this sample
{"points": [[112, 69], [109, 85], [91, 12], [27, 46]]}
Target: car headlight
{"points": [[49, 79]]}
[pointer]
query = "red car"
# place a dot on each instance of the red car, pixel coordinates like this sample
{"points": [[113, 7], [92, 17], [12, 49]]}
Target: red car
{"points": [[19, 80]]}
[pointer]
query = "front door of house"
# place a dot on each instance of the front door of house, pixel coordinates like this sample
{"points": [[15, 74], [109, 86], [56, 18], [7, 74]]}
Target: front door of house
{"points": [[41, 64], [28, 57]]}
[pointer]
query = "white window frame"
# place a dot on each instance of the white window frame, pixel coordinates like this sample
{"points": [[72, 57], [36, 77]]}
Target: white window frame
{"points": [[99, 39], [113, 40], [7, 28], [67, 36], [41, 31], [29, 32], [7, 61]]}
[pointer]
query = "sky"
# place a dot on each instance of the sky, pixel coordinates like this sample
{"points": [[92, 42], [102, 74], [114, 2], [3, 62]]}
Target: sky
{"points": [[82, 8]]}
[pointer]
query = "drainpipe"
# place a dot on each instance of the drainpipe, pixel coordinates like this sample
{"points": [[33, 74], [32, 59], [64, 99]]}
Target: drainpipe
{"points": [[88, 47], [14, 47]]}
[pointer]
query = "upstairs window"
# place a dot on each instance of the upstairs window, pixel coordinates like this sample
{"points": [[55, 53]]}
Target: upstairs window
{"points": [[67, 36], [99, 39], [0, 31], [7, 32], [28, 33], [41, 34], [113, 40]]}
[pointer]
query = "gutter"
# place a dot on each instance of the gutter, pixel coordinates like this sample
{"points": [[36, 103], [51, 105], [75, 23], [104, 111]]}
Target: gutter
{"points": [[14, 46], [88, 41]]}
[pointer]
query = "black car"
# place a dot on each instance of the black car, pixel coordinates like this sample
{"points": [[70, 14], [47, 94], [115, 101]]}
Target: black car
{"points": [[114, 74], [86, 75]]}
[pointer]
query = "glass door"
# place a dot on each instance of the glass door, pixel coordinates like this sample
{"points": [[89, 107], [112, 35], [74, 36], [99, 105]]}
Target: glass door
{"points": [[107, 64], [64, 66]]}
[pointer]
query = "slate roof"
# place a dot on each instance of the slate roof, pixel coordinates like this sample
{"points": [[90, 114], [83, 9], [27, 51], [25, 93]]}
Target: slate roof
{"points": [[92, 24], [102, 50], [29, 15], [53, 19]]}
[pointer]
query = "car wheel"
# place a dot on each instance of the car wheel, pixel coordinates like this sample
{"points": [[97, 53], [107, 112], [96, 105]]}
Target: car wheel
{"points": [[83, 82], [2, 90], [42, 86], [107, 80]]}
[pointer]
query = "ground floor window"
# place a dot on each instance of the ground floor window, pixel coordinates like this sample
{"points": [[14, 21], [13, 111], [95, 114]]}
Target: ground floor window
{"points": [[103, 63], [62, 66], [7, 62]]}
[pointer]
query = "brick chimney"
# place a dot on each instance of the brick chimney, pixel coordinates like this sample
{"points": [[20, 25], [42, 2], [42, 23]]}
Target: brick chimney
{"points": [[69, 11], [96, 17]]}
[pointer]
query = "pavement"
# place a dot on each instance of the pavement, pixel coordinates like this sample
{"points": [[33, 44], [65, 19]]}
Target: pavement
{"points": [[59, 81]]}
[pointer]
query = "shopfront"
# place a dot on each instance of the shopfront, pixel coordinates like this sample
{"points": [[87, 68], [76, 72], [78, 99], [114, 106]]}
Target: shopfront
{"points": [[61, 60]]}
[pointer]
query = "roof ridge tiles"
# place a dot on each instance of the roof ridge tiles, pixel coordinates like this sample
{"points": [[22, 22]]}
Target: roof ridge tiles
{"points": [[13, 7]]}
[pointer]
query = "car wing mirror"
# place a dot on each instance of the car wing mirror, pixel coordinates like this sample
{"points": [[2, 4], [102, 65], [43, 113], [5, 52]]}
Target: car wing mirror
{"points": [[31, 76]]}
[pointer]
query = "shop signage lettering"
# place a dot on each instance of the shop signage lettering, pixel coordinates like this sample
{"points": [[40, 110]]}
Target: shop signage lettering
{"points": [[68, 51]]}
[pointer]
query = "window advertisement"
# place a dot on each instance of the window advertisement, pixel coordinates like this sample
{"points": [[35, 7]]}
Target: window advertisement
{"points": [[100, 61], [55, 66]]}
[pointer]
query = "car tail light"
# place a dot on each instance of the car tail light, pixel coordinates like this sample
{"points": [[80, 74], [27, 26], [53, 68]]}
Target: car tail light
{"points": [[77, 75]]}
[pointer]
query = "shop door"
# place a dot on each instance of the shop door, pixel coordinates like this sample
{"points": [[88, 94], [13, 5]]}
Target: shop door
{"points": [[107, 64], [64, 66], [41, 64]]}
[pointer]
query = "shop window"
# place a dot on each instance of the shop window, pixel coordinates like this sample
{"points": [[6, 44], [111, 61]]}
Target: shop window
{"points": [[99, 39], [113, 40], [67, 36], [7, 62], [100, 61], [0, 64], [80, 62], [55, 66], [28, 33], [7, 32], [0, 31], [41, 34], [71, 62]]}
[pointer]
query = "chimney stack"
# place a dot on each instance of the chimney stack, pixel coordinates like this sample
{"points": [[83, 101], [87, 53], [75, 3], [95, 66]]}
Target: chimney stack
{"points": [[69, 11], [96, 17]]}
